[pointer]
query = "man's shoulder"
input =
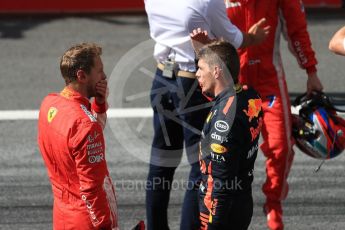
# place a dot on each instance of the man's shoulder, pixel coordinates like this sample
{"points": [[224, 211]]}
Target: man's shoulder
{"points": [[249, 104], [68, 110], [247, 94]]}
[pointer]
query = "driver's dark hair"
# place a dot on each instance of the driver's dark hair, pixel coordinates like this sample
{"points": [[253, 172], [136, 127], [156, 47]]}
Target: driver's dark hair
{"points": [[223, 54]]}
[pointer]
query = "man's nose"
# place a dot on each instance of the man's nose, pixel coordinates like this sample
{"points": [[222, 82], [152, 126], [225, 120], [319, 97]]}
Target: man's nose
{"points": [[197, 74]]}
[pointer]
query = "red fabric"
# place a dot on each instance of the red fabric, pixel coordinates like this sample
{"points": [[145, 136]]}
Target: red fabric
{"points": [[261, 68], [44, 6], [259, 64], [72, 145], [322, 3], [99, 108]]}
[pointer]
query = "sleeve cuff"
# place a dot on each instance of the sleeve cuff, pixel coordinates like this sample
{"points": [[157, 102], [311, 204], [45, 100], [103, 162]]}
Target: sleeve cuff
{"points": [[311, 69], [99, 108]]}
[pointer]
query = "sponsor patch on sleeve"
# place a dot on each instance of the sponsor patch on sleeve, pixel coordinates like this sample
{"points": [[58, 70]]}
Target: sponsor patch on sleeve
{"points": [[88, 113]]}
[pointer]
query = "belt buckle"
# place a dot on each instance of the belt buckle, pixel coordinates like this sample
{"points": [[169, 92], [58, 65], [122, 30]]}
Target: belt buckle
{"points": [[169, 69]]}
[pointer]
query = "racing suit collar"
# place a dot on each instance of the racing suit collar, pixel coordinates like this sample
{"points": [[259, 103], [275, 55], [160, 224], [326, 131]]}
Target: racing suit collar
{"points": [[228, 92], [73, 95]]}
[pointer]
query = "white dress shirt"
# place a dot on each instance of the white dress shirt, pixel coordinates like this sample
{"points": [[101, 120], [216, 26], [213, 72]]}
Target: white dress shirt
{"points": [[171, 22]]}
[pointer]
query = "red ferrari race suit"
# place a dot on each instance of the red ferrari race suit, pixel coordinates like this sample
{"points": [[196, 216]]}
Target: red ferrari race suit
{"points": [[72, 145], [228, 150], [261, 68]]}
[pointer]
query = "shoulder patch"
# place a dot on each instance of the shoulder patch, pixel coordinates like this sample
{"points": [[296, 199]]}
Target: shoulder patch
{"points": [[254, 108], [209, 117], [228, 105], [51, 114], [88, 113]]}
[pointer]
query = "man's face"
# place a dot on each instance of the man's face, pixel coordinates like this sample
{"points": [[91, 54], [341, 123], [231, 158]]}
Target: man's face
{"points": [[96, 74], [206, 78]]}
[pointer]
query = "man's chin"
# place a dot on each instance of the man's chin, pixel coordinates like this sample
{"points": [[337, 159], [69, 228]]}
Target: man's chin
{"points": [[208, 94]]}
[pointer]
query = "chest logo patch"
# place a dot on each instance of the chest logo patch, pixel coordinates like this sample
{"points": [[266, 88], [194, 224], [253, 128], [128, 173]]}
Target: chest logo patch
{"points": [[217, 148], [221, 126], [51, 114]]}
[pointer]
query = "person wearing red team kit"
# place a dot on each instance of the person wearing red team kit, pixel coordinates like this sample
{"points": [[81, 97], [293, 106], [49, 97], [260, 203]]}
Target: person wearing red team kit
{"points": [[71, 141]]}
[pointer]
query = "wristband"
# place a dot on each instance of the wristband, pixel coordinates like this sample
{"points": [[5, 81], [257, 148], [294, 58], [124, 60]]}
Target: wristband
{"points": [[99, 108], [311, 69]]}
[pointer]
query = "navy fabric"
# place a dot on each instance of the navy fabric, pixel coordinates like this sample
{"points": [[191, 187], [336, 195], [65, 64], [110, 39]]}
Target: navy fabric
{"points": [[179, 114]]}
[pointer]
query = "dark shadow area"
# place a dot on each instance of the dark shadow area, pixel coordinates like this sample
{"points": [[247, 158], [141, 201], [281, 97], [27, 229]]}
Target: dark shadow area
{"points": [[123, 21], [336, 98], [321, 14], [14, 28]]}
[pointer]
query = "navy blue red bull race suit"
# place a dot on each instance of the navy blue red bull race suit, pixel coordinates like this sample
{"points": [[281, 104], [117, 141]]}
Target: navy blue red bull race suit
{"points": [[228, 150]]}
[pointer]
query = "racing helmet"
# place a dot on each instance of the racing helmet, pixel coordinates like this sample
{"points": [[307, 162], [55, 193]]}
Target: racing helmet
{"points": [[317, 128]]}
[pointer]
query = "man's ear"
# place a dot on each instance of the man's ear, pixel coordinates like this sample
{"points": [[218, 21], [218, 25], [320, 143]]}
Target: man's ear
{"points": [[217, 71], [81, 76]]}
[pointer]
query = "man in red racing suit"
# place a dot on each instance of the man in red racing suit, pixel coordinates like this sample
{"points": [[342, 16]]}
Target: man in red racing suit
{"points": [[261, 68], [72, 145]]}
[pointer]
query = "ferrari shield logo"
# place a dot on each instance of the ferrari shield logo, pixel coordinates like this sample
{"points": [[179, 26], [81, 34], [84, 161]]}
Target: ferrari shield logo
{"points": [[52, 113]]}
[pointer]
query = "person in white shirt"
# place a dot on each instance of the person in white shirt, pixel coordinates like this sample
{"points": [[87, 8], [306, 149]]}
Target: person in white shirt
{"points": [[337, 42], [179, 107]]}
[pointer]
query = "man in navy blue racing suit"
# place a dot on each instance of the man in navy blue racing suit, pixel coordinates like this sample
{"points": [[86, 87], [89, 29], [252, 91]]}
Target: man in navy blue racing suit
{"points": [[229, 143]]}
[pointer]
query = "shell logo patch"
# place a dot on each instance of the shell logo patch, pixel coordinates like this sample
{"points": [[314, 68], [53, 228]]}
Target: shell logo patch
{"points": [[51, 113], [217, 148]]}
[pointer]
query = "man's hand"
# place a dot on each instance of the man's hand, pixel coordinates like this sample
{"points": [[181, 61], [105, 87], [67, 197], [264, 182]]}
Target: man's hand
{"points": [[313, 83], [256, 34], [101, 91], [199, 38], [337, 43]]}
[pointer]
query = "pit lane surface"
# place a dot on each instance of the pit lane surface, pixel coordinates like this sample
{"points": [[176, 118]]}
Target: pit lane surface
{"points": [[30, 51]]}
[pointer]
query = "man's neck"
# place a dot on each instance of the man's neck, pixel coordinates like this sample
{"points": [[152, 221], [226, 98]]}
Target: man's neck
{"points": [[221, 85], [78, 88]]}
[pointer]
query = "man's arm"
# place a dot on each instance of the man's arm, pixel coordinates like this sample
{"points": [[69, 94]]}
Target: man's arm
{"points": [[337, 43], [299, 41], [99, 105], [256, 34], [221, 27], [96, 188]]}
